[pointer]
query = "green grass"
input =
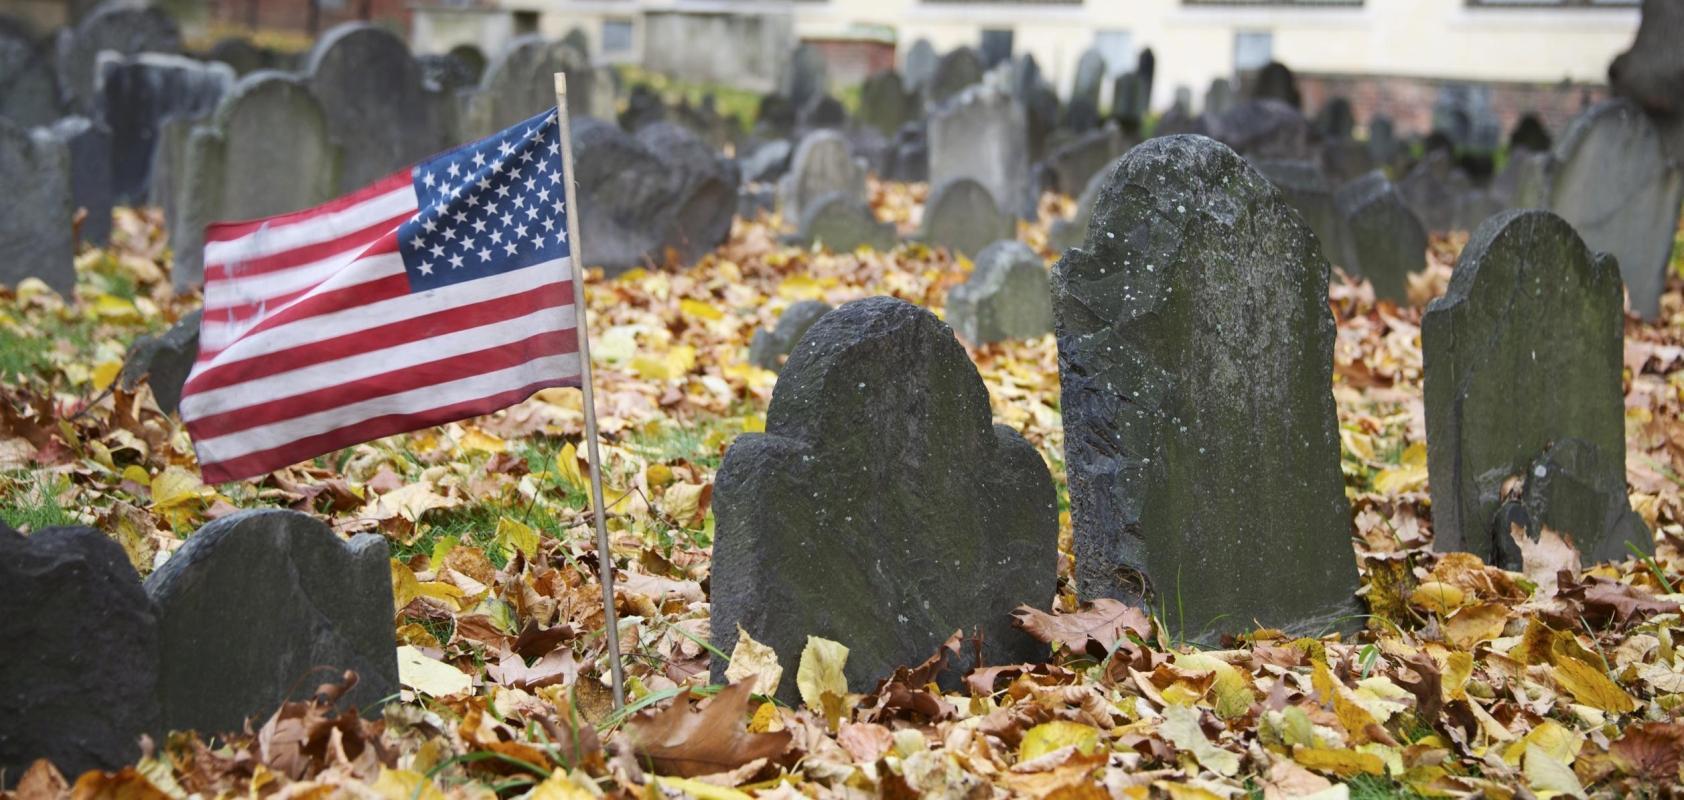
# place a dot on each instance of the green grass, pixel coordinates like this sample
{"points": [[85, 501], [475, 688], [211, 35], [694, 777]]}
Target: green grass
{"points": [[30, 501], [22, 355], [1373, 787], [728, 100], [686, 442]]}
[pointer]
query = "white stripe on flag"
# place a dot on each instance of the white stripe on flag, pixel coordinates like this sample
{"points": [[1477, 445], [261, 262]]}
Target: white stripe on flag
{"points": [[218, 330], [272, 240]]}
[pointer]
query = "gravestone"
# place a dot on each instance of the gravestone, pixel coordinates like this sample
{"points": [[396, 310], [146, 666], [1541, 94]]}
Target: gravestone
{"points": [[1219, 97], [1263, 129], [29, 94], [1576, 490], [807, 77], [89, 146], [885, 104], [1090, 77], [81, 668], [1128, 104], [577, 39], [1651, 72], [1081, 116], [1383, 239], [1615, 185], [1524, 181], [1276, 82], [823, 111], [1335, 119], [1146, 71], [909, 154], [1067, 233], [520, 83], [995, 47], [1040, 108], [1307, 189], [261, 607], [1196, 353], [266, 150], [1006, 297], [823, 163], [138, 96], [35, 232], [879, 452], [1435, 190], [768, 347], [641, 196], [163, 361], [125, 26], [1383, 145], [983, 133], [1524, 349], [1529, 134], [920, 65], [370, 87], [169, 162], [954, 72], [961, 215], [1463, 112], [767, 162], [643, 107], [1074, 163], [1345, 160], [774, 117], [842, 223], [472, 60], [1179, 120], [240, 54]]}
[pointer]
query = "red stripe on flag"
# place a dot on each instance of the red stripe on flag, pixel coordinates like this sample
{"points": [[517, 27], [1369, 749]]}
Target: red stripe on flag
{"points": [[308, 254], [368, 430], [228, 231], [298, 307]]}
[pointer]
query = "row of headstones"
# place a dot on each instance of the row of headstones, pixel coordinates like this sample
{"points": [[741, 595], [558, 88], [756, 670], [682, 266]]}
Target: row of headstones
{"points": [[1201, 441], [254, 609]]}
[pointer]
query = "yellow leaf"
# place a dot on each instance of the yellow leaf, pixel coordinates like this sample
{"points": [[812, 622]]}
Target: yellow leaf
{"points": [[1550, 736], [1592, 687], [137, 474], [403, 784], [430, 676], [104, 373], [751, 659], [478, 441], [754, 423], [1357, 443], [1550, 776], [1476, 624], [1438, 597], [820, 672], [514, 536], [177, 487], [1343, 763], [697, 308], [699, 789], [686, 503], [1181, 728], [1408, 476], [560, 786], [567, 465], [1049, 736], [114, 308], [405, 588], [1458, 668]]}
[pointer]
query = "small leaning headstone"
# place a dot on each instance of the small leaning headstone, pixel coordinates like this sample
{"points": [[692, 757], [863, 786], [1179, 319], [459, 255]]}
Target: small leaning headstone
{"points": [[962, 216], [983, 133], [881, 508], [1196, 354], [1005, 298], [842, 224], [1523, 350], [768, 348], [35, 231], [261, 607], [823, 163], [1383, 239], [163, 361], [80, 674]]}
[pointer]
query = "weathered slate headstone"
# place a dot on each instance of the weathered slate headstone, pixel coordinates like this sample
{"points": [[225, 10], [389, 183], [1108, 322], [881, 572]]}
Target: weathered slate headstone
{"points": [[1128, 102], [808, 76], [1196, 349], [1263, 129], [823, 111], [1090, 77], [878, 453], [81, 669], [843, 223], [139, 95], [1383, 145], [823, 163], [1651, 72], [1384, 241], [520, 83], [983, 133], [370, 88], [1006, 296], [1276, 82], [29, 94], [1146, 72], [1067, 233], [1335, 120], [1524, 349], [955, 72], [885, 104], [169, 162], [89, 146], [920, 65], [1074, 163], [261, 607], [1345, 160], [908, 155], [1574, 490], [1435, 190], [1219, 97], [961, 215], [1307, 189], [1529, 134], [35, 231], [267, 150], [125, 26], [1614, 183], [163, 361], [641, 197], [768, 348]]}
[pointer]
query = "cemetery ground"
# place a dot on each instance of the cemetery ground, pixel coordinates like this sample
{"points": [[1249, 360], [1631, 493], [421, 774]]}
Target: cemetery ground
{"points": [[1467, 680]]}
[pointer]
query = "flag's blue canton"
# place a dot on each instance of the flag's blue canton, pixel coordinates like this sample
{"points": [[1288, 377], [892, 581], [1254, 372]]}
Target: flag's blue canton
{"points": [[489, 207]]}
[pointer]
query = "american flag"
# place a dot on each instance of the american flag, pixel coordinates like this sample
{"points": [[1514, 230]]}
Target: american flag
{"points": [[440, 292]]}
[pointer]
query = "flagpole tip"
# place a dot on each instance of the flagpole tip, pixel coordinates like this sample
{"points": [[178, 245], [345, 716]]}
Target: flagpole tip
{"points": [[561, 83]]}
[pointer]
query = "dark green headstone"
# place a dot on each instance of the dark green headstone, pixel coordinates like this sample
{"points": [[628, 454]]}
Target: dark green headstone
{"points": [[1522, 351], [1383, 239], [1196, 352]]}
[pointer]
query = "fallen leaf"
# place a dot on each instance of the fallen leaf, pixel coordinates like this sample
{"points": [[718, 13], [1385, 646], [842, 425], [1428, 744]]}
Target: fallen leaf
{"points": [[752, 660], [820, 672], [429, 675], [1096, 628], [682, 741]]}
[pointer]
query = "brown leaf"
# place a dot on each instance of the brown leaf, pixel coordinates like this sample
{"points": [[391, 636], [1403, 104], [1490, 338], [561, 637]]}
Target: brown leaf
{"points": [[1650, 750], [42, 781], [1095, 628], [1622, 604], [678, 740]]}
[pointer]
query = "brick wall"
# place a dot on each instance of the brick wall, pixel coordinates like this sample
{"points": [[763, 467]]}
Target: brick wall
{"points": [[1410, 101]]}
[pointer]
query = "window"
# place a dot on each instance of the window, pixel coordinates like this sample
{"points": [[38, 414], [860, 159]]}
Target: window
{"points": [[1118, 49], [1253, 49], [616, 35], [526, 22]]}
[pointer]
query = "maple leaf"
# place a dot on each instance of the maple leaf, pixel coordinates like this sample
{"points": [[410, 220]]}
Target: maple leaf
{"points": [[1096, 627], [686, 742]]}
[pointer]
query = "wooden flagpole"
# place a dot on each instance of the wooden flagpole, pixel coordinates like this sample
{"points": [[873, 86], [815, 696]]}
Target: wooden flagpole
{"points": [[604, 555]]}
